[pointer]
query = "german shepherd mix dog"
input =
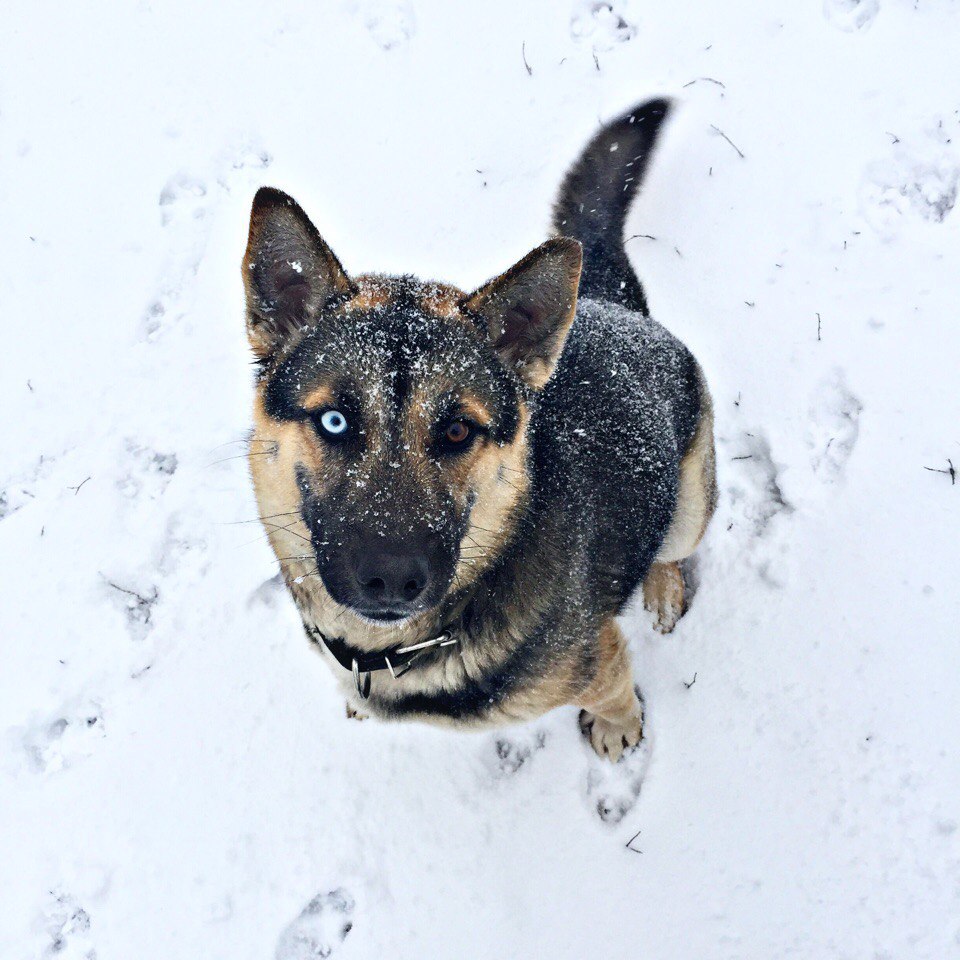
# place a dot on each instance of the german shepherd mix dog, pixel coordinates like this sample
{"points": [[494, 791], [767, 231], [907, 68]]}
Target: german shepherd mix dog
{"points": [[465, 489]]}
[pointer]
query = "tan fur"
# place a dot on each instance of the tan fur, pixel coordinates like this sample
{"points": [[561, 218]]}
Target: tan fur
{"points": [[443, 300], [500, 482], [318, 398], [372, 292], [495, 474], [475, 410], [663, 595], [697, 494], [612, 718]]}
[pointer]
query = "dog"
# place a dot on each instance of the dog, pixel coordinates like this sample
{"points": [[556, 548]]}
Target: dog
{"points": [[464, 490]]}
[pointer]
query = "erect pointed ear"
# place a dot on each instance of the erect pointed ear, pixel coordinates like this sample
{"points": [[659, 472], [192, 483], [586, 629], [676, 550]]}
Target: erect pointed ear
{"points": [[529, 309], [288, 272]]}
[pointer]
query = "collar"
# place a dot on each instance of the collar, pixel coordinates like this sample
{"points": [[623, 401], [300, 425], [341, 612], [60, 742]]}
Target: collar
{"points": [[398, 660]]}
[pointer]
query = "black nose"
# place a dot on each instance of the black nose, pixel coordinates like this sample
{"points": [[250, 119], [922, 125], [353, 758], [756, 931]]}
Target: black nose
{"points": [[388, 576]]}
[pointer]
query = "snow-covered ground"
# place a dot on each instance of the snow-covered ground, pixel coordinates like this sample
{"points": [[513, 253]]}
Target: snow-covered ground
{"points": [[177, 777]]}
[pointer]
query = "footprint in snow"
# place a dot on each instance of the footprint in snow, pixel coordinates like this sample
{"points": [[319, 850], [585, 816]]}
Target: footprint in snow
{"points": [[391, 23], [148, 472], [601, 22], [321, 927], [921, 181], [188, 202], [54, 743], [66, 928], [833, 428], [516, 748], [613, 788], [137, 605], [851, 15], [753, 492]]}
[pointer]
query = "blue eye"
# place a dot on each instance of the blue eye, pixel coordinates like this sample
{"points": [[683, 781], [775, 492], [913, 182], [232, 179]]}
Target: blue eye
{"points": [[334, 423]]}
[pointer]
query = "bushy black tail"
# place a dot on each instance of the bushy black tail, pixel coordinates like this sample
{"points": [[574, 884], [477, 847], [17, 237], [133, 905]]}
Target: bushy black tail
{"points": [[595, 198]]}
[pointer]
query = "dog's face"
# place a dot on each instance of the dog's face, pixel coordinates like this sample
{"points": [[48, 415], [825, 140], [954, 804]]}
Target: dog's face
{"points": [[391, 415]]}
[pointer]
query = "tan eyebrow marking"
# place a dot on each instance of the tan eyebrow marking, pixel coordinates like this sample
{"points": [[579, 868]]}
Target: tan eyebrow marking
{"points": [[476, 411], [318, 397]]}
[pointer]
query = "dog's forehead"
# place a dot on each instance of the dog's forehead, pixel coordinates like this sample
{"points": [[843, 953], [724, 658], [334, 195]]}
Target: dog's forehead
{"points": [[398, 335]]}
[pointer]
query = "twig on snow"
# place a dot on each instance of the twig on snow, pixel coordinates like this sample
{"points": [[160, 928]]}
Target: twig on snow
{"points": [[130, 593], [951, 471], [76, 489], [706, 79], [725, 137], [523, 53]]}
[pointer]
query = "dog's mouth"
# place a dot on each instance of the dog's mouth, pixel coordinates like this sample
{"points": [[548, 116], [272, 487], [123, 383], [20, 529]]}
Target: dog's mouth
{"points": [[389, 618], [385, 616]]}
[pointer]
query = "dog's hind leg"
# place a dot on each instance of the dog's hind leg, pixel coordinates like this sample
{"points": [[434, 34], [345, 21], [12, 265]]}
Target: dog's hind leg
{"points": [[696, 501], [663, 595], [611, 718]]}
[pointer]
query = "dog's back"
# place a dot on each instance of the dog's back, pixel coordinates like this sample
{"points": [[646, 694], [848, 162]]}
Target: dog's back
{"points": [[625, 402]]}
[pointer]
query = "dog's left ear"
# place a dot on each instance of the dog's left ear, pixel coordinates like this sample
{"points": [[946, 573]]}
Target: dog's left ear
{"points": [[528, 310], [288, 272]]}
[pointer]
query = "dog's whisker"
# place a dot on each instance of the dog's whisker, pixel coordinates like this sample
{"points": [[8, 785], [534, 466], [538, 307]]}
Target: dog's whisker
{"points": [[243, 456], [271, 516]]}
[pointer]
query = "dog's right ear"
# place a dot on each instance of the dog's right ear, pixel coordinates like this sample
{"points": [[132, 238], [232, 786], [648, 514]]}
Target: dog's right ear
{"points": [[288, 272]]}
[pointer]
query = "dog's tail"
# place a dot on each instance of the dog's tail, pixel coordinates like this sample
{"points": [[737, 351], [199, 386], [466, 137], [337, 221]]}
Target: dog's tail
{"points": [[595, 198]]}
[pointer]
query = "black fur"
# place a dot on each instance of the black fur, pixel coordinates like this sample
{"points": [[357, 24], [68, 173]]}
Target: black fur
{"points": [[607, 433], [595, 198], [609, 430]]}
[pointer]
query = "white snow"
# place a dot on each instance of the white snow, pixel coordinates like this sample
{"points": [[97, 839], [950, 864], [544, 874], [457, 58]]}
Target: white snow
{"points": [[177, 777]]}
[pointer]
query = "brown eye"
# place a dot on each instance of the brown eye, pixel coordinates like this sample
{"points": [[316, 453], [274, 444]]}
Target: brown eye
{"points": [[456, 432]]}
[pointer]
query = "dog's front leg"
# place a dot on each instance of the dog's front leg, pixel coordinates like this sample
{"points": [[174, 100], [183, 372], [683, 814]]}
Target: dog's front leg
{"points": [[611, 718]]}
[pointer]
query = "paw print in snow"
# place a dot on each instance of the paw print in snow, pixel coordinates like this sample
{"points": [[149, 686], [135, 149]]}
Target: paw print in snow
{"points": [[148, 472], [851, 15], [321, 927], [601, 22], [834, 427], [754, 491], [67, 930], [514, 751], [909, 185], [613, 788], [391, 23], [53, 743]]}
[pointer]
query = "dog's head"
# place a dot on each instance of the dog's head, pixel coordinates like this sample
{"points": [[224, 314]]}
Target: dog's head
{"points": [[391, 414]]}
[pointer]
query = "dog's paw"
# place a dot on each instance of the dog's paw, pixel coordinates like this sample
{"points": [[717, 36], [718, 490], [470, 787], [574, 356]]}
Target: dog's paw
{"points": [[321, 927], [663, 595], [613, 789], [610, 738], [354, 714]]}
